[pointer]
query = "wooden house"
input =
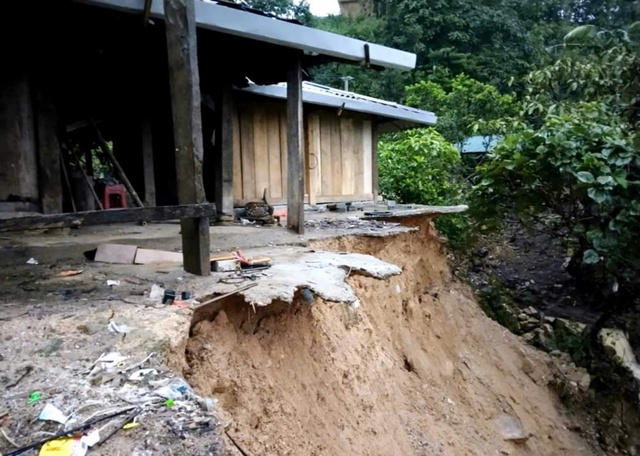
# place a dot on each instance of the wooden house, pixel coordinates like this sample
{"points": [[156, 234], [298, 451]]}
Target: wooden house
{"points": [[340, 142], [149, 84]]}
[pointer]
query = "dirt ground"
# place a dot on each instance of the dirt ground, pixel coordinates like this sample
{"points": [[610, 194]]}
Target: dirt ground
{"points": [[416, 368]]}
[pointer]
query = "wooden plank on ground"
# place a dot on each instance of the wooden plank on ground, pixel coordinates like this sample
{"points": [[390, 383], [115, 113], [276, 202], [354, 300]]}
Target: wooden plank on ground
{"points": [[347, 133], [367, 150], [182, 52], [273, 144], [148, 256], [115, 253], [131, 214], [295, 144], [336, 157], [248, 155], [261, 150]]}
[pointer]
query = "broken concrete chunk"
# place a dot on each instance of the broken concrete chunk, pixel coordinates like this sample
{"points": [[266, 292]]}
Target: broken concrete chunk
{"points": [[116, 253]]}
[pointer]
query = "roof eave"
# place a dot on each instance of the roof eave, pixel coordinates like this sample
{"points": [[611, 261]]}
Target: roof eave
{"points": [[212, 16]]}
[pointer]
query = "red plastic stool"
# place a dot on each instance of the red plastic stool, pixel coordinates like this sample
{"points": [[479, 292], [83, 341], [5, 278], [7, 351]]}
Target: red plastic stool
{"points": [[114, 196]]}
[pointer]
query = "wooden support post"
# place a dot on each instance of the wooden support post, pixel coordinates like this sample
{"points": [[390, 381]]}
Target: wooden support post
{"points": [[224, 160], [182, 49], [147, 163], [49, 173], [375, 178], [295, 155]]}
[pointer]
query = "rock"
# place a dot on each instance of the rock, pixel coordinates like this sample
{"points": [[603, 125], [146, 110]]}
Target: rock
{"points": [[528, 337], [89, 328], [550, 320], [523, 317], [531, 311], [556, 353], [584, 382], [548, 329]]}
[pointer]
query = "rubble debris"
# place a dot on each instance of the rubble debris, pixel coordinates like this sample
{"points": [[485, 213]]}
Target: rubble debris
{"points": [[70, 273], [351, 223], [52, 413]]}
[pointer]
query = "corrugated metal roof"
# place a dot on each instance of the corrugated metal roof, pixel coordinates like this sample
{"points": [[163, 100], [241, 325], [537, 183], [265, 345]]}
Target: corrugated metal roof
{"points": [[212, 16], [327, 96]]}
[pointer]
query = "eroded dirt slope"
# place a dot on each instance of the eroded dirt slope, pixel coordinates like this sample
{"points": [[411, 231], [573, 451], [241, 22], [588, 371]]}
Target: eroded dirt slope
{"points": [[417, 368]]}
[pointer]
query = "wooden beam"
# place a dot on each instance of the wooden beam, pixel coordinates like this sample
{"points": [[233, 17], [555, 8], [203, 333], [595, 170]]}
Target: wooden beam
{"points": [[134, 214], [147, 163], [295, 144], [49, 173], [182, 50], [224, 160]]}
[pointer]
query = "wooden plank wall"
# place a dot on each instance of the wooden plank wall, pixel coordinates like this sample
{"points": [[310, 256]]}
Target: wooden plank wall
{"points": [[338, 155]]}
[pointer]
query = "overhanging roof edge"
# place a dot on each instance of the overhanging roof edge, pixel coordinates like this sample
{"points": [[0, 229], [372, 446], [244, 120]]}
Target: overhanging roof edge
{"points": [[366, 105], [212, 16]]}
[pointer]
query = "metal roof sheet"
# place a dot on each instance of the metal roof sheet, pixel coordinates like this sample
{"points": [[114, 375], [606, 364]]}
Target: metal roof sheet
{"points": [[219, 18], [327, 96]]}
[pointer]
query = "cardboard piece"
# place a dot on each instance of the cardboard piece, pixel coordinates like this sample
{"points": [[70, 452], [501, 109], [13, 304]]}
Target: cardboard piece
{"points": [[116, 253], [147, 256]]}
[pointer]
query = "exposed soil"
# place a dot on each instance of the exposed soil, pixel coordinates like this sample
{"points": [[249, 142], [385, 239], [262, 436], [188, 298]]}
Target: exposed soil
{"points": [[417, 368]]}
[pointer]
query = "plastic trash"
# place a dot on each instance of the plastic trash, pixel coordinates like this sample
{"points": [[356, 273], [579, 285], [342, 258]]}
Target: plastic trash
{"points": [[117, 328], [52, 413], [178, 390], [156, 292], [108, 363], [32, 261], [65, 446], [141, 374], [34, 397], [113, 283]]}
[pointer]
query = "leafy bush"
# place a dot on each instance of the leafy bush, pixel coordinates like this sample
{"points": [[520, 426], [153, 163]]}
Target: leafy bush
{"points": [[420, 167], [571, 162]]}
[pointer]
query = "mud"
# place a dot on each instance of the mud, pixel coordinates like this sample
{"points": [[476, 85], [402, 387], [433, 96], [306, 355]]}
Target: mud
{"points": [[416, 368]]}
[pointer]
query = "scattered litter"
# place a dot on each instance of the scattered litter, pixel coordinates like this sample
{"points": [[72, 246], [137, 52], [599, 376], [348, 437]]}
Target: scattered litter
{"points": [[355, 305], [108, 364], [156, 292], [141, 374], [180, 304], [70, 273], [66, 446], [52, 413], [92, 438], [174, 391], [169, 403], [113, 283], [186, 295], [117, 328], [26, 371], [169, 296], [246, 222], [128, 426], [34, 397], [32, 261]]}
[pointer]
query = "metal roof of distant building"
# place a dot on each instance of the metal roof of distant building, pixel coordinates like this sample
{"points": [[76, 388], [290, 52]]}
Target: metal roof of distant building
{"points": [[327, 96], [221, 18], [478, 144]]}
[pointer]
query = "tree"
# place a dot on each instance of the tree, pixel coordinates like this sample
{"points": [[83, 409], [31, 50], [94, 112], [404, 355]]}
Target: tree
{"points": [[571, 161], [460, 103], [287, 9], [421, 167]]}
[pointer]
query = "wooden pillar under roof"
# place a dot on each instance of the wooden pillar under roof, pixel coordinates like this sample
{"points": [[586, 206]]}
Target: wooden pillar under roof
{"points": [[182, 49], [295, 153]]}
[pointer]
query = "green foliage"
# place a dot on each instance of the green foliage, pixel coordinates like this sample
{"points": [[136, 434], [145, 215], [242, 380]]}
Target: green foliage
{"points": [[497, 301], [420, 167], [571, 162], [287, 9], [460, 103]]}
